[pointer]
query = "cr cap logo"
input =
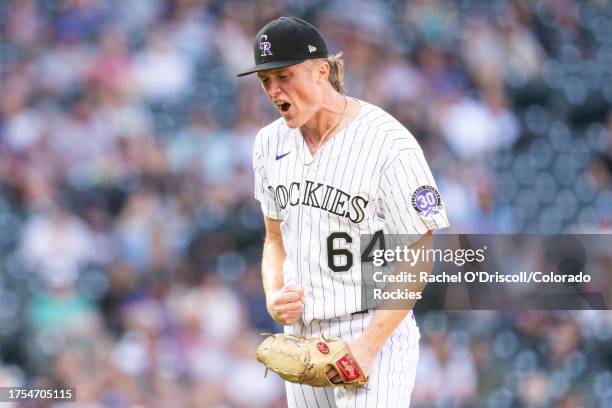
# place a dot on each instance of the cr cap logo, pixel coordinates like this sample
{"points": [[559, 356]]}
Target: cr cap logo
{"points": [[312, 48], [264, 45]]}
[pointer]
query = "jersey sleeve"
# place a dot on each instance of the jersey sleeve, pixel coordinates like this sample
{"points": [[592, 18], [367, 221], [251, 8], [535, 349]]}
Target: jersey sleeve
{"points": [[263, 192], [410, 199]]}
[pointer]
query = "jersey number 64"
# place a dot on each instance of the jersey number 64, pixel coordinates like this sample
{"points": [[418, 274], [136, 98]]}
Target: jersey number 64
{"points": [[337, 251]]}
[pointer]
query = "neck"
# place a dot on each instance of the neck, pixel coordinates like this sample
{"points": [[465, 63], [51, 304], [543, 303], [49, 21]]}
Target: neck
{"points": [[328, 114]]}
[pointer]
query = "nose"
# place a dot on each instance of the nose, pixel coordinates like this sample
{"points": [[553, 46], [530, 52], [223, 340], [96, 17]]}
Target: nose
{"points": [[272, 88]]}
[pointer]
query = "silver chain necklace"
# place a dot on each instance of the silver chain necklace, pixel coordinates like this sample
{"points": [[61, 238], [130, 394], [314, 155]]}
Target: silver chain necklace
{"points": [[323, 139]]}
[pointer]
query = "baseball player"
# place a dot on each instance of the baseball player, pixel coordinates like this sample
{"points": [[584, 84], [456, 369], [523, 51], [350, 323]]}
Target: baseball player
{"points": [[330, 170]]}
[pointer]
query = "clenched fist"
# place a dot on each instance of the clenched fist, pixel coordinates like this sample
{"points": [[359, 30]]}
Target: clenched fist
{"points": [[285, 305]]}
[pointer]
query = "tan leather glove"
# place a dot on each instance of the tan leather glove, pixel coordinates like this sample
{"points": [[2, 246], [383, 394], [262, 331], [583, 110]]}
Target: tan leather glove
{"points": [[305, 360]]}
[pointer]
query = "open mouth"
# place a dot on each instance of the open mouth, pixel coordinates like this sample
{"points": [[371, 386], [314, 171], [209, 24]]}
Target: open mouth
{"points": [[283, 107]]}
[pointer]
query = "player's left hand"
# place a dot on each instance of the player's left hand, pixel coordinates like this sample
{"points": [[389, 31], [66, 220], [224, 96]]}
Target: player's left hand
{"points": [[363, 353]]}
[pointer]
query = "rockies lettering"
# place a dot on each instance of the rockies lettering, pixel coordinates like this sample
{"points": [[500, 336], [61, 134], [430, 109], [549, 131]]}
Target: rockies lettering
{"points": [[323, 197]]}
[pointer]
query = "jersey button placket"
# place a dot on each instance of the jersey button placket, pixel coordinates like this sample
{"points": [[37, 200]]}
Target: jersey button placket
{"points": [[304, 243]]}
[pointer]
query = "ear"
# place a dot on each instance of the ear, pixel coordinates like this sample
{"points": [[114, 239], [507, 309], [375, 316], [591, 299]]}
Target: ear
{"points": [[322, 71]]}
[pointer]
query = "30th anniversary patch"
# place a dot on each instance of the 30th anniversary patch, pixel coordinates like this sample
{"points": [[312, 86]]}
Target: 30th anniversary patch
{"points": [[426, 201]]}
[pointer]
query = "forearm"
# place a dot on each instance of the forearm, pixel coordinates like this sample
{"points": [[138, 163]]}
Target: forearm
{"points": [[381, 326], [390, 313], [272, 266]]}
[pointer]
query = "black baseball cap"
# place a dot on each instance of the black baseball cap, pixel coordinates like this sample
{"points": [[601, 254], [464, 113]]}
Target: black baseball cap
{"points": [[286, 41]]}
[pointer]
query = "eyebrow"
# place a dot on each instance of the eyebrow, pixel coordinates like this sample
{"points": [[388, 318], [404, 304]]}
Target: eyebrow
{"points": [[276, 71]]}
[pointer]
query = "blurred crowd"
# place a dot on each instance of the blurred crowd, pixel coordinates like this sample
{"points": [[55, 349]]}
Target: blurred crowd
{"points": [[129, 238]]}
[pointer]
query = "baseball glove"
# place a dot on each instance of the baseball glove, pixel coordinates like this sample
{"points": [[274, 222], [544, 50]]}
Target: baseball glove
{"points": [[305, 360]]}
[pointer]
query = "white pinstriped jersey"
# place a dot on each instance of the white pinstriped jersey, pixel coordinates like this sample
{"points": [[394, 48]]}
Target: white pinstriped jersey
{"points": [[366, 178]]}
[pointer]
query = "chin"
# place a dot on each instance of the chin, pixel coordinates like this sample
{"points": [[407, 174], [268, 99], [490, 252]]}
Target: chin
{"points": [[292, 123]]}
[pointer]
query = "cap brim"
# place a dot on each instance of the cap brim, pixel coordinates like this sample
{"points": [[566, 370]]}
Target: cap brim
{"points": [[270, 65]]}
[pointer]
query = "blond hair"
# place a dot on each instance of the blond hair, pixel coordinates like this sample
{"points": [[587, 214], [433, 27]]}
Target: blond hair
{"points": [[336, 70]]}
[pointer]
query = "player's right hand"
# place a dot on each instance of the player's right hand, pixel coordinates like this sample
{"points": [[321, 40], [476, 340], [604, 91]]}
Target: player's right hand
{"points": [[285, 305]]}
